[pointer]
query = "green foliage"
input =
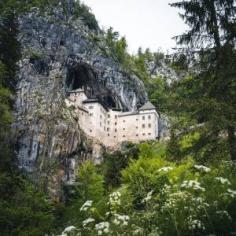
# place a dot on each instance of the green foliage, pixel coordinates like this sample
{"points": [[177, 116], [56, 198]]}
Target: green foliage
{"points": [[139, 66], [114, 163], [24, 210], [160, 197], [5, 111], [19, 7], [90, 183], [9, 49], [89, 186], [180, 63], [208, 97], [159, 90], [116, 47], [84, 12]]}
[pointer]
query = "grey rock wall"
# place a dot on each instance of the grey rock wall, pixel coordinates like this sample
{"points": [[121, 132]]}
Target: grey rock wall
{"points": [[58, 54]]}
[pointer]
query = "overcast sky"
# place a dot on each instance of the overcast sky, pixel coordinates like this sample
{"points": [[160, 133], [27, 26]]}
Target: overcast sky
{"points": [[145, 23]]}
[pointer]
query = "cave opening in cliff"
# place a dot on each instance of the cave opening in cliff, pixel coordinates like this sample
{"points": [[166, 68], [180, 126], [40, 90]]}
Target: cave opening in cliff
{"points": [[80, 76], [83, 76], [109, 102]]}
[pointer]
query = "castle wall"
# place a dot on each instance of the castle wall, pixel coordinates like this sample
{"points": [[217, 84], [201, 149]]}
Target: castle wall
{"points": [[113, 127]]}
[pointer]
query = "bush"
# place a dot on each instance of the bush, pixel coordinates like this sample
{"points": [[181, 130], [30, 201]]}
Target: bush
{"points": [[87, 16]]}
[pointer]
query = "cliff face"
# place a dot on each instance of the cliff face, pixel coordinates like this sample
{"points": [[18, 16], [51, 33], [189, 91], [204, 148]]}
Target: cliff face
{"points": [[59, 54]]}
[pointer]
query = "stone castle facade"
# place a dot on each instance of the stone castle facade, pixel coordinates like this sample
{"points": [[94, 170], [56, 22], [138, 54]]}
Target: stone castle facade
{"points": [[112, 127]]}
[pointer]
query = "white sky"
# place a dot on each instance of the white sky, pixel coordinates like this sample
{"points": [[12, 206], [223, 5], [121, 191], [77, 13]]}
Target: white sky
{"points": [[146, 23]]}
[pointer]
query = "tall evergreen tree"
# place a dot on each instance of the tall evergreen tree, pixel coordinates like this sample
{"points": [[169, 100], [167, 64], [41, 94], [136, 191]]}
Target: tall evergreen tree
{"points": [[210, 96]]}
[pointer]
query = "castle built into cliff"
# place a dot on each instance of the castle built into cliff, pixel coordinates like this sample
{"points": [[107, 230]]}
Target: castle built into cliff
{"points": [[110, 126]]}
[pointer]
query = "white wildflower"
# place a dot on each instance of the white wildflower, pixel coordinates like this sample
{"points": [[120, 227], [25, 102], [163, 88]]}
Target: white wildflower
{"points": [[195, 224], [223, 180], [192, 184], [87, 221], [116, 222], [68, 230], [202, 168], [102, 228], [114, 199], [166, 189], [86, 205], [148, 197], [165, 169], [231, 193], [138, 231], [121, 220]]}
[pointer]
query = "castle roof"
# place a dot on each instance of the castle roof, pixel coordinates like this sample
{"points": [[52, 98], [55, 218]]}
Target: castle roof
{"points": [[77, 90], [147, 106], [91, 100]]}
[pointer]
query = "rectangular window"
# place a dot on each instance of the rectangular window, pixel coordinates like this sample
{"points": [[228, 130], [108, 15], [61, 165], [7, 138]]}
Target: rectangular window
{"points": [[136, 135], [149, 125], [136, 119], [115, 116], [115, 123], [143, 125], [149, 134], [91, 114], [115, 130], [108, 116], [136, 127], [143, 134], [108, 129], [123, 128], [108, 134], [143, 117], [149, 117], [123, 136], [90, 131], [108, 122], [124, 121], [90, 107]]}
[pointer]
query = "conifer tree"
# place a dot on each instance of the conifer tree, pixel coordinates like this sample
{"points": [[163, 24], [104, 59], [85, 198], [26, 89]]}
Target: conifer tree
{"points": [[210, 95]]}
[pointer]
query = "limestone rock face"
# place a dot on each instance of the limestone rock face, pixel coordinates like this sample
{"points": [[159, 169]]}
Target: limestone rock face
{"points": [[59, 53]]}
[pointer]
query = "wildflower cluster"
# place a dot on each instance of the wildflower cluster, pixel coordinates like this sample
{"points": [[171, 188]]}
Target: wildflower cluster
{"points": [[87, 221], [202, 168], [121, 220], [231, 193], [86, 205], [223, 180], [148, 197], [165, 169], [102, 228], [194, 224], [192, 184], [68, 230], [174, 199], [114, 199]]}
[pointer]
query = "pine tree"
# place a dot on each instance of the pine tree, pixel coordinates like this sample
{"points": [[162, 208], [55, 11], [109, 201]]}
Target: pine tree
{"points": [[210, 96]]}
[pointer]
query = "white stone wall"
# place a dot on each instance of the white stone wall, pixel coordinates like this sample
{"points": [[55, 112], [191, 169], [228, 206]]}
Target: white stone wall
{"points": [[113, 127]]}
